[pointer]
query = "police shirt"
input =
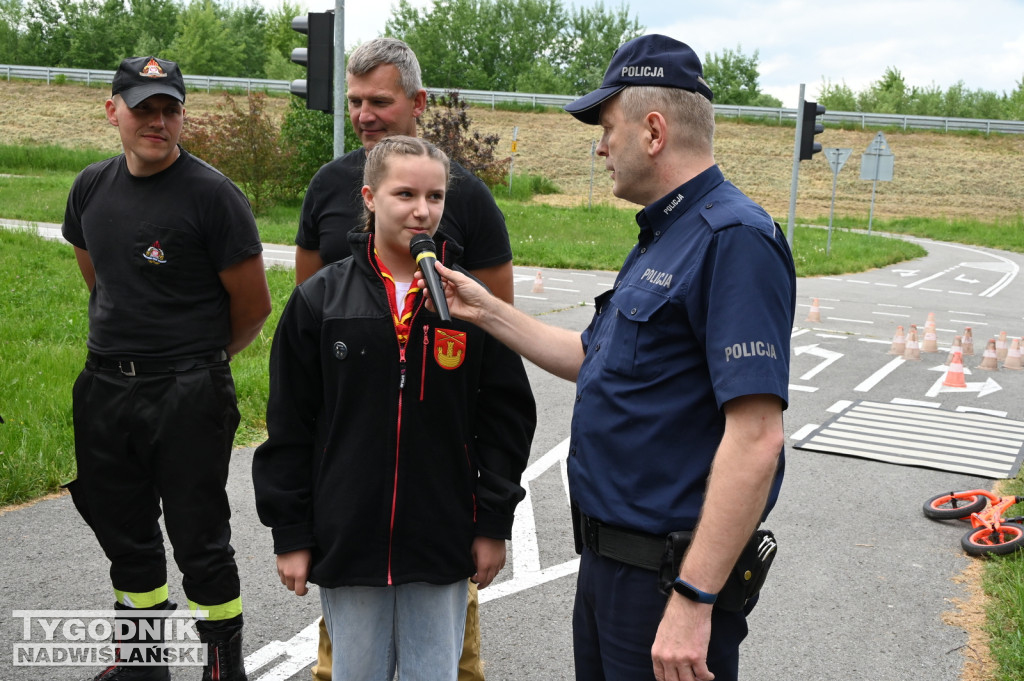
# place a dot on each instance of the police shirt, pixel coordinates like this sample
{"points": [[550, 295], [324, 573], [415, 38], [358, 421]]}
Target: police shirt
{"points": [[157, 244], [334, 206], [701, 313]]}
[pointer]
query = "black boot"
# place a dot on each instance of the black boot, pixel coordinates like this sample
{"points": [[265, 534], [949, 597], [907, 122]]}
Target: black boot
{"points": [[223, 639], [122, 672]]}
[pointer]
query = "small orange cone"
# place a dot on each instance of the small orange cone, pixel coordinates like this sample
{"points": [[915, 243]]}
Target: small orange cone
{"points": [[538, 284], [931, 341], [988, 360], [930, 324], [1001, 348], [913, 351], [955, 374], [956, 348], [968, 342], [1013, 357], [815, 314], [899, 342]]}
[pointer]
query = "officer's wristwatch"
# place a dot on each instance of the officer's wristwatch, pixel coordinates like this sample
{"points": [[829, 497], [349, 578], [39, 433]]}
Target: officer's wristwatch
{"points": [[693, 593]]}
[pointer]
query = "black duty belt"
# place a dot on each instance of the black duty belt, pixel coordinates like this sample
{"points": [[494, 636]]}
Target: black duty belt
{"points": [[133, 367], [638, 549]]}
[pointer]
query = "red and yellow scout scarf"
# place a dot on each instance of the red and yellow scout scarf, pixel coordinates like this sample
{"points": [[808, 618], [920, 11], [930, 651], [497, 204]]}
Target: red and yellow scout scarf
{"points": [[401, 320]]}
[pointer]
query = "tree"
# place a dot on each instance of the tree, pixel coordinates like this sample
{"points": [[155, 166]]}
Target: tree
{"points": [[506, 45], [587, 42], [888, 95], [733, 77], [152, 23], [204, 44], [836, 97], [12, 16]]}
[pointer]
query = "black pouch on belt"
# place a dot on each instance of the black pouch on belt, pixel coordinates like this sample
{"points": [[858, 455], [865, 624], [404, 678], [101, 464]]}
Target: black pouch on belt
{"points": [[745, 580]]}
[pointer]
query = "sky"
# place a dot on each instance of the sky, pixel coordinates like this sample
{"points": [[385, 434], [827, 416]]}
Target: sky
{"points": [[930, 42]]}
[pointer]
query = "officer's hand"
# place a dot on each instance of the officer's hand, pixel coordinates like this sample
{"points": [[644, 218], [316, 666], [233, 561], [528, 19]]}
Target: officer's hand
{"points": [[293, 569], [489, 556], [466, 298], [680, 651]]}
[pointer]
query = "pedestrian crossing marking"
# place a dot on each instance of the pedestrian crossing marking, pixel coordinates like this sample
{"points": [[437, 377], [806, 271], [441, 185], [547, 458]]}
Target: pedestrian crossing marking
{"points": [[912, 435]]}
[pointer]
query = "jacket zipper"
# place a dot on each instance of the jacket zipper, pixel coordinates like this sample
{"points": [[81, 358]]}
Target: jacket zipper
{"points": [[398, 432], [423, 368], [398, 448]]}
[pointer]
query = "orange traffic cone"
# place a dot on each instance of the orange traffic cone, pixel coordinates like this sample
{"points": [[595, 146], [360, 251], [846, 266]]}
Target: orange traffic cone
{"points": [[930, 324], [815, 314], [988, 360], [1013, 357], [968, 342], [913, 350], [899, 342], [955, 374], [1001, 348], [957, 347], [538, 284], [931, 341]]}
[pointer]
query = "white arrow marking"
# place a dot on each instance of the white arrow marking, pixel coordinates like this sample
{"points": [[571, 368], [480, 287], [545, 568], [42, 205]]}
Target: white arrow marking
{"points": [[986, 388], [828, 356], [964, 279], [906, 273]]}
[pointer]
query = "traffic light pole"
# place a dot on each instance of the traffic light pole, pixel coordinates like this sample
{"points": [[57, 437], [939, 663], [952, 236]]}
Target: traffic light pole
{"points": [[794, 182], [339, 78]]}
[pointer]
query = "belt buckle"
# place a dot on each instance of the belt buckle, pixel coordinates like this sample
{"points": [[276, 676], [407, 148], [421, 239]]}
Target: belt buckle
{"points": [[121, 367]]}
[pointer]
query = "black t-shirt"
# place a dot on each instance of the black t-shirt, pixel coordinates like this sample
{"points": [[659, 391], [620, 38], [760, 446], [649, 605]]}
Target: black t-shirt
{"points": [[334, 206], [157, 245]]}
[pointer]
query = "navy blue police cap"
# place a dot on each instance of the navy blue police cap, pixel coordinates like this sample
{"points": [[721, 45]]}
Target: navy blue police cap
{"points": [[648, 60], [139, 78]]}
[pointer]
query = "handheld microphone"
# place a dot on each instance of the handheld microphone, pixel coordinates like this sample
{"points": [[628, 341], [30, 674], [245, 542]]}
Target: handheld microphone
{"points": [[422, 248]]}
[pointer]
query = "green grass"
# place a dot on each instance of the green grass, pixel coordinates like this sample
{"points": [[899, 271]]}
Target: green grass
{"points": [[42, 349]]}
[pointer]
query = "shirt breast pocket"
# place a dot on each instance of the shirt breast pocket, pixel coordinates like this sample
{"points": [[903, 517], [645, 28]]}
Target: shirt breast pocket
{"points": [[634, 346]]}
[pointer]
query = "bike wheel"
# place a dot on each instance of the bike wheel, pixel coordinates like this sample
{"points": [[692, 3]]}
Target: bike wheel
{"points": [[954, 506], [982, 540]]}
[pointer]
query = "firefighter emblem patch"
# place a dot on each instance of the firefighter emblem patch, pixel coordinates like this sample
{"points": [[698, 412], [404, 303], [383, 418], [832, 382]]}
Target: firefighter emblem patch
{"points": [[152, 70], [154, 254], [449, 348]]}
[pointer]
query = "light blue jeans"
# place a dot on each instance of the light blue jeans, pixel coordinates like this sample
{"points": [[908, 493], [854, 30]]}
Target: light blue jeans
{"points": [[416, 628]]}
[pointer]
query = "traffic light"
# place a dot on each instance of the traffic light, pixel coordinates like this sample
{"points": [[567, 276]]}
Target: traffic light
{"points": [[318, 58], [809, 112]]}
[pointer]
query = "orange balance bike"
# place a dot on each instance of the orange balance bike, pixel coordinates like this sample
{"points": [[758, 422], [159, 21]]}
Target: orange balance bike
{"points": [[990, 531]]}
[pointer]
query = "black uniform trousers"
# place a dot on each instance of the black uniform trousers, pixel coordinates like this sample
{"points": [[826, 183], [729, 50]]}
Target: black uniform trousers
{"points": [[154, 437], [615, 618]]}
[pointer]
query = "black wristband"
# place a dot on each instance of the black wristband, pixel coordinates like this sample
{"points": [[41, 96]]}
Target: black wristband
{"points": [[693, 593]]}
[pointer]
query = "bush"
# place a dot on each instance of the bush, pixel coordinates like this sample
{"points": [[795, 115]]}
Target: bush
{"points": [[309, 136], [448, 127], [244, 144]]}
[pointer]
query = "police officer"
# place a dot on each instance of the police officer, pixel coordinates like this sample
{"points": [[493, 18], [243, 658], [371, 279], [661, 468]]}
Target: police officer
{"points": [[169, 249], [676, 435]]}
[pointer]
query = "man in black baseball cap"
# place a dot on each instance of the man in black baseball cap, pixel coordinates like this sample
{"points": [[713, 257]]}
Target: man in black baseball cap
{"points": [[170, 252], [686, 360], [139, 78]]}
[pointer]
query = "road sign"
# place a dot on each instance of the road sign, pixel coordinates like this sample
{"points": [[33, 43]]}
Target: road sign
{"points": [[876, 165], [837, 157], [878, 161]]}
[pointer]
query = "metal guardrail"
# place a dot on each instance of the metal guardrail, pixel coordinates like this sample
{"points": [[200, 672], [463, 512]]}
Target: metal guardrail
{"points": [[864, 120]]}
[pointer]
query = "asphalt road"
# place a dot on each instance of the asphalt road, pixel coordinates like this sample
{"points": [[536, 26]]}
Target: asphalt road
{"points": [[862, 578]]}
